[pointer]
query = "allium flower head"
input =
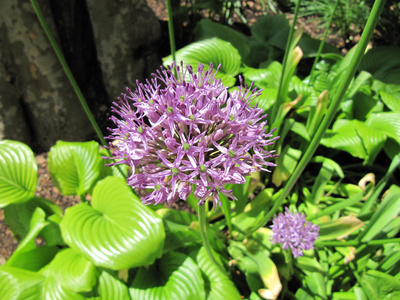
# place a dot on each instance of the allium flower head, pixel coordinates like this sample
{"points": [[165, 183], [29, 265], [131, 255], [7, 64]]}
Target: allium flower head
{"points": [[184, 129], [294, 232]]}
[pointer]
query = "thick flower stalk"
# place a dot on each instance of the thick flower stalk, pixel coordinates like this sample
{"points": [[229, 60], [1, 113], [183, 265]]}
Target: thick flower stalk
{"points": [[294, 232], [184, 130]]}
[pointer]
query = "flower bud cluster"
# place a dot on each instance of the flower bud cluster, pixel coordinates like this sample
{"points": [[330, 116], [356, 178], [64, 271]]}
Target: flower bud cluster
{"points": [[185, 131], [294, 232]]}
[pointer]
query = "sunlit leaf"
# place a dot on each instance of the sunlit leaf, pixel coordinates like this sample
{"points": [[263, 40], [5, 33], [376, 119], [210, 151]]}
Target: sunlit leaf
{"points": [[18, 173], [19, 284], [218, 285], [116, 231], [387, 210], [355, 137], [381, 286], [206, 29], [286, 164], [73, 271], [74, 166], [110, 288], [174, 276], [387, 123], [215, 51], [339, 229]]}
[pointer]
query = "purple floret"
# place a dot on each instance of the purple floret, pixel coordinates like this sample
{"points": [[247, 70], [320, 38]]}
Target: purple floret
{"points": [[294, 232], [184, 130]]}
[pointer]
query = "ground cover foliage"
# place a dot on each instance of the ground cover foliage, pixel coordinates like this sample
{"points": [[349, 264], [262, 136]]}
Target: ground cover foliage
{"points": [[338, 165]]}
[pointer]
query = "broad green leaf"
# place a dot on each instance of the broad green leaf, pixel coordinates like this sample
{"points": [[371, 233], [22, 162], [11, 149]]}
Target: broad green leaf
{"points": [[206, 29], [387, 210], [316, 284], [19, 284], [286, 164], [339, 229], [264, 78], [390, 101], [74, 166], [116, 231], [179, 228], [36, 224], [54, 290], [18, 216], [35, 259], [355, 137], [110, 288], [387, 123], [174, 276], [73, 271], [383, 63], [215, 51], [269, 26], [380, 285], [308, 265], [217, 285], [18, 173]]}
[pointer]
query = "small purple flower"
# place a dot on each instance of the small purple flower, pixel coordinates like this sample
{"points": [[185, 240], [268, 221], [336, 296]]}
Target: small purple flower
{"points": [[185, 131], [294, 232]]}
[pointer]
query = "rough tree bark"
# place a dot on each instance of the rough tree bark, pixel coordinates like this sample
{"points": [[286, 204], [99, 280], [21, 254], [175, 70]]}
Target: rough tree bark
{"points": [[110, 42]]}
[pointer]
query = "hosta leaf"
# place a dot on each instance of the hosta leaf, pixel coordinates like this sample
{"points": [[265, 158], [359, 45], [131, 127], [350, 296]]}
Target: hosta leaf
{"points": [[390, 101], [355, 137], [36, 224], [73, 271], [116, 231], [18, 173], [218, 285], [74, 166], [383, 63], [110, 288], [178, 229], [206, 29], [208, 51], [380, 285], [387, 123], [264, 78], [54, 290], [268, 26], [19, 284], [17, 216], [174, 276]]}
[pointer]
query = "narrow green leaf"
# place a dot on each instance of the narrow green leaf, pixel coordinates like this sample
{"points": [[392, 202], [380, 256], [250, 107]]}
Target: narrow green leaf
{"points": [[116, 231], [287, 162], [387, 210], [74, 166], [338, 229], [18, 173]]}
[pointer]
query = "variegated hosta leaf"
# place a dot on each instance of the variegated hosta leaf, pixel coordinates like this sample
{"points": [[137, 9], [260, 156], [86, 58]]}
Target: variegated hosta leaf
{"points": [[116, 231], [74, 166], [18, 173]]}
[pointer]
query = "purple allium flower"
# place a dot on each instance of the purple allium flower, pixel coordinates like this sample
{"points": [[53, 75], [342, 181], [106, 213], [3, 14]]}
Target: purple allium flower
{"points": [[294, 232], [183, 130]]}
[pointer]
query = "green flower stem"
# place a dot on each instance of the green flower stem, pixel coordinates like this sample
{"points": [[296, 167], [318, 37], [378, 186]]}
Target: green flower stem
{"points": [[333, 108], [68, 72], [321, 46], [171, 30], [204, 237], [279, 99], [355, 243]]}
